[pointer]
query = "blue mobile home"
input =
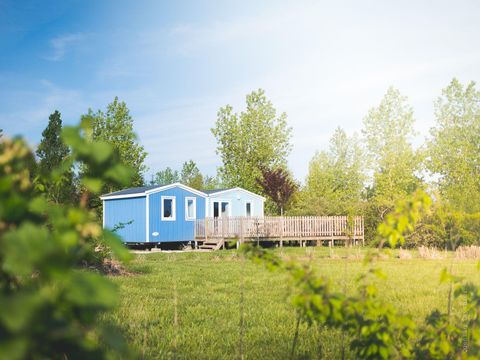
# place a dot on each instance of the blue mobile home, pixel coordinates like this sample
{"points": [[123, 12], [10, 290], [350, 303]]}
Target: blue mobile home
{"points": [[167, 213], [154, 214]]}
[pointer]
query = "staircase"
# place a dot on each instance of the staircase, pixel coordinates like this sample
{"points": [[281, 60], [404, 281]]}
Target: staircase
{"points": [[212, 244]]}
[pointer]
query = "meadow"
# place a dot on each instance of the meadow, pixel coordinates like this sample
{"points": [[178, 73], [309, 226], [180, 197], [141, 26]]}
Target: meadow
{"points": [[187, 305]]}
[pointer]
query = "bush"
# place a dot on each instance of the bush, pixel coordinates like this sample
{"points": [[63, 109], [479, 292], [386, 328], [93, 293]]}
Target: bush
{"points": [[49, 306]]}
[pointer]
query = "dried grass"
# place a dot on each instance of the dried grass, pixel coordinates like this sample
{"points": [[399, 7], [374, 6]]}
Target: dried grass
{"points": [[332, 255], [404, 254], [430, 253], [468, 252], [358, 255]]}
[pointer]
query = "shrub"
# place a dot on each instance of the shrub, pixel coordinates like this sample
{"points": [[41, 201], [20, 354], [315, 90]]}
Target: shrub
{"points": [[49, 307]]}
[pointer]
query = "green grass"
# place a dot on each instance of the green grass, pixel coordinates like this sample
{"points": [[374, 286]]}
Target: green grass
{"points": [[208, 302]]}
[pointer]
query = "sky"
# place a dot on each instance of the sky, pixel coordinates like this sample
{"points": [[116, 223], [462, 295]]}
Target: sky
{"points": [[324, 63]]}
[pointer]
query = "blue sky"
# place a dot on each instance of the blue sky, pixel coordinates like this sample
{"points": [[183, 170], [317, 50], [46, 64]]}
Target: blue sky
{"points": [[175, 63]]}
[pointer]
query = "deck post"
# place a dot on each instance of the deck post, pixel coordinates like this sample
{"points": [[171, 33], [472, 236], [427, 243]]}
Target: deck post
{"points": [[282, 227], [206, 229], [241, 233]]}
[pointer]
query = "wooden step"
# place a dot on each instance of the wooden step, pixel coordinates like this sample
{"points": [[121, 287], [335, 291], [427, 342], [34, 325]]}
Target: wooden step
{"points": [[213, 244]]}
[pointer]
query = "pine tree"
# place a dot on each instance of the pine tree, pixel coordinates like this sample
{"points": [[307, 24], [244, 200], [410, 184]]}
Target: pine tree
{"points": [[51, 153]]}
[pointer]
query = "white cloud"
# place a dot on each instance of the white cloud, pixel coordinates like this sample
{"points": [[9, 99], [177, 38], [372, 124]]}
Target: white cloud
{"points": [[60, 44]]}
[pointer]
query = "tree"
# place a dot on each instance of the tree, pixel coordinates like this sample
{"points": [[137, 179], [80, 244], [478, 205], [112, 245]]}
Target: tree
{"points": [[253, 140], [335, 179], [388, 130], [51, 309], [52, 153], [454, 147], [278, 185], [165, 177], [1, 133], [115, 126], [210, 183], [191, 175]]}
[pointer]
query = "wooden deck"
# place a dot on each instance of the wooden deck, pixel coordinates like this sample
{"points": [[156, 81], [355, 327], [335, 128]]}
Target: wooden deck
{"points": [[322, 229]]}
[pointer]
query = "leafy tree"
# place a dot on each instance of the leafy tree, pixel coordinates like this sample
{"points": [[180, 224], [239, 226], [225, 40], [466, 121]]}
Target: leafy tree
{"points": [[211, 183], [279, 186], [191, 175], [251, 141], [52, 153], [1, 133], [164, 177], [335, 179], [50, 309], [115, 126], [454, 147], [388, 131]]}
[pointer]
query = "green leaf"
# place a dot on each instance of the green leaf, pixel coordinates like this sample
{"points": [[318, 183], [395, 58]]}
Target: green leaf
{"points": [[71, 136], [115, 244], [18, 309], [38, 205], [90, 290], [26, 248], [445, 276], [120, 173], [100, 151], [92, 184], [13, 349]]}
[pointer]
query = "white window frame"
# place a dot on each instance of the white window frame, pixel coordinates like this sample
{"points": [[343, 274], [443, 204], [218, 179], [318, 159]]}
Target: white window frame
{"points": [[220, 201], [251, 208], [194, 199], [174, 208]]}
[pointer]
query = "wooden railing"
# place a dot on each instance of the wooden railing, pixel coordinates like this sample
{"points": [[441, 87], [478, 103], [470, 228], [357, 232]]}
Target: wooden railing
{"points": [[291, 227]]}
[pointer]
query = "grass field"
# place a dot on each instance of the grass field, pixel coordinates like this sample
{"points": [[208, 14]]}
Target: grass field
{"points": [[206, 288]]}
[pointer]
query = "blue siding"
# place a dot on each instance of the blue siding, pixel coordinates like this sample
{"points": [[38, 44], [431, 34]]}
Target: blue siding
{"points": [[123, 211], [180, 229]]}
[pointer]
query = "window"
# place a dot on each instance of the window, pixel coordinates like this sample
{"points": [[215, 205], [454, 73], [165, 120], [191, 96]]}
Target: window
{"points": [[224, 208], [221, 208], [168, 208], [248, 209], [190, 208]]}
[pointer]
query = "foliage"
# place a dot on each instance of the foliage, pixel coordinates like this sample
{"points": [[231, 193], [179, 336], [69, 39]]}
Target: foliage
{"points": [[278, 185], [191, 175], [165, 177], [335, 178], [453, 149], [403, 219], [50, 308], [211, 183], [375, 329], [52, 153], [388, 131], [446, 227], [251, 141], [115, 126]]}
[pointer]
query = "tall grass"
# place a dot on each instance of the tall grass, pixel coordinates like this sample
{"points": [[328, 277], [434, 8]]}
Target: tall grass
{"points": [[230, 308]]}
